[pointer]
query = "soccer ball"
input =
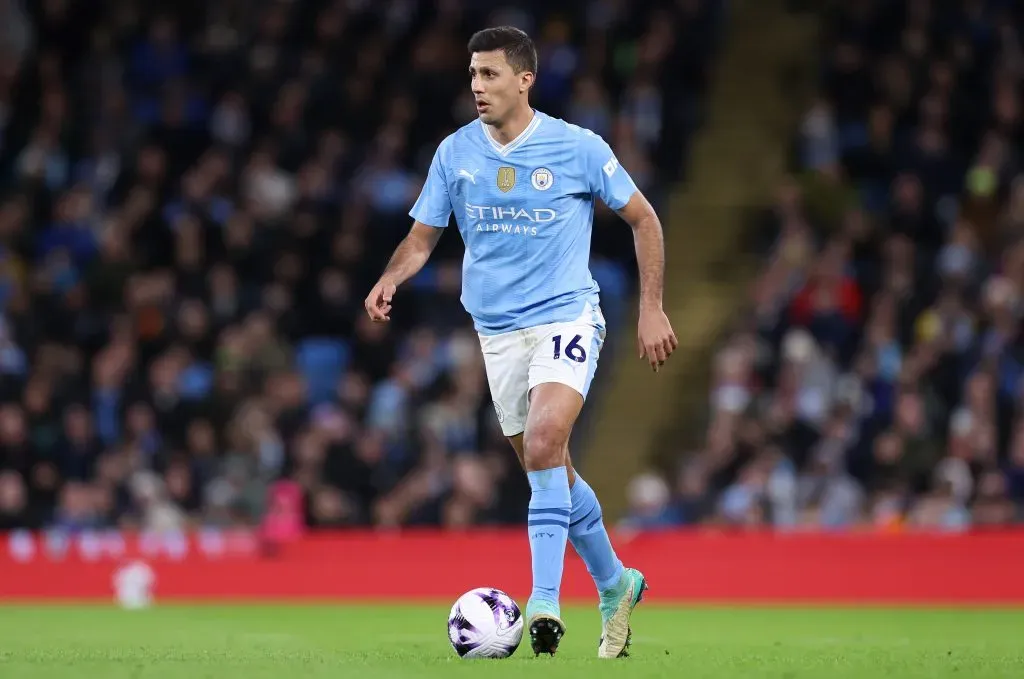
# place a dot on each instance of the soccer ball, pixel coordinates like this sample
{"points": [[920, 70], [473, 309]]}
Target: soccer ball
{"points": [[485, 623]]}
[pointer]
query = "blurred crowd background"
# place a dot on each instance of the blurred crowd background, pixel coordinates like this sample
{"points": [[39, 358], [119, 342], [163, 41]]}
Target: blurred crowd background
{"points": [[874, 381], [195, 197]]}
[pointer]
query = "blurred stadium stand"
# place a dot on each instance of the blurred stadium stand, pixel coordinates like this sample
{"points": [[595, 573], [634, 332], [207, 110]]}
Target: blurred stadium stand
{"points": [[194, 199], [874, 379]]}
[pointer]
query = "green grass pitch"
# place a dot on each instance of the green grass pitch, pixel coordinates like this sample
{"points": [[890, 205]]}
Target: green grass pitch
{"points": [[388, 641]]}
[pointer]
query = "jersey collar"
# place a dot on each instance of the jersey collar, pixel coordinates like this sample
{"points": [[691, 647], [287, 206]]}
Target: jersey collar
{"points": [[505, 149]]}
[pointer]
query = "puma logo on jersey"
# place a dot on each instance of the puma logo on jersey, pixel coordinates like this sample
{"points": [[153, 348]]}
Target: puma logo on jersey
{"points": [[471, 176]]}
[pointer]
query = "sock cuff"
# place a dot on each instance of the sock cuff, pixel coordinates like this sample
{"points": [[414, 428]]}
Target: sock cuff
{"points": [[554, 479]]}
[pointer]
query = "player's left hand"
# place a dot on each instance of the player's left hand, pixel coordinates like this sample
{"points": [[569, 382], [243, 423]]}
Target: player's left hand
{"points": [[655, 337], [378, 302]]}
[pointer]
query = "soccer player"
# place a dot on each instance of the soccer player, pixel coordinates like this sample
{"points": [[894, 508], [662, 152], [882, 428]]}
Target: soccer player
{"points": [[522, 186]]}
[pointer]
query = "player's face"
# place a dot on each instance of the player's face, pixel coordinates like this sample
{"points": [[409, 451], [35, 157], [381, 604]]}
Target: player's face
{"points": [[497, 88]]}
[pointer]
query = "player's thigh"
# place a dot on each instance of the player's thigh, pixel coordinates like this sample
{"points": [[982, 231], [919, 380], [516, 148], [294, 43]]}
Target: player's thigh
{"points": [[507, 364], [554, 408]]}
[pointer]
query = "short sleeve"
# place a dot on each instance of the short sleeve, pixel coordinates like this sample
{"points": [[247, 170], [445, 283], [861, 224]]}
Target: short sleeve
{"points": [[434, 207], [608, 180]]}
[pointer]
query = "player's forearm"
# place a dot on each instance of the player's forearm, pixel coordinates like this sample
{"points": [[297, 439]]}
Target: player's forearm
{"points": [[650, 256], [409, 257]]}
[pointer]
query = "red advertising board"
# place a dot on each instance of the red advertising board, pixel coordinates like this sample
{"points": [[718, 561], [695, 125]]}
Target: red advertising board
{"points": [[409, 566]]}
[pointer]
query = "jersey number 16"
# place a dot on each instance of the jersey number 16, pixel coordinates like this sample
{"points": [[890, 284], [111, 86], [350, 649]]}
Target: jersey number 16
{"points": [[573, 350]]}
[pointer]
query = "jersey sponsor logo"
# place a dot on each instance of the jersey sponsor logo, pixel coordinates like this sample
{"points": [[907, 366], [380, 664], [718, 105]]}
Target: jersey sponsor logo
{"points": [[511, 220], [541, 215], [542, 179], [507, 228], [506, 178], [611, 166]]}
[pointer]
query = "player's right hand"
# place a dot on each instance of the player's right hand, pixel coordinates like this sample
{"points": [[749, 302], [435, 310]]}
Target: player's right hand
{"points": [[378, 302]]}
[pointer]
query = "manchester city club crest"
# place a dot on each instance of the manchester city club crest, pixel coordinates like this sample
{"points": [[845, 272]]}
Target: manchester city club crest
{"points": [[541, 179], [506, 178]]}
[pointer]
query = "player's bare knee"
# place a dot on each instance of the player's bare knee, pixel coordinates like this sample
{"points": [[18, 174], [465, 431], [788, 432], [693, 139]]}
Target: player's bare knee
{"points": [[544, 447]]}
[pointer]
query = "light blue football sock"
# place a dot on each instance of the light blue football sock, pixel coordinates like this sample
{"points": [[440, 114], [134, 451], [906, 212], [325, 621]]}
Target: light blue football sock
{"points": [[550, 505], [590, 539]]}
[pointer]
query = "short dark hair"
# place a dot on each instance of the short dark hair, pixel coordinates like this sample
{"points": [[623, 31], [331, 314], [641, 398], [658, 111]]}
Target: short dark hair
{"points": [[516, 44]]}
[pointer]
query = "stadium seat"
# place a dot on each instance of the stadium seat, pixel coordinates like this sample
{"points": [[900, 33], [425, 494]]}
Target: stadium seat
{"points": [[321, 361]]}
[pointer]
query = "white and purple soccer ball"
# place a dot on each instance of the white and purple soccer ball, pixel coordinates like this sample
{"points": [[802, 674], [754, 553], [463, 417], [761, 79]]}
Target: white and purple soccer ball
{"points": [[485, 623]]}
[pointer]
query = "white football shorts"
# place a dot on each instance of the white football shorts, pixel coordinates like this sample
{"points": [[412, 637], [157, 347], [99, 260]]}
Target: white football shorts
{"points": [[519, 360]]}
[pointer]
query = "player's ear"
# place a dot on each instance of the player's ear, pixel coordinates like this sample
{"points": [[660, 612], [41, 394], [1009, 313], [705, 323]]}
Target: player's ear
{"points": [[526, 81]]}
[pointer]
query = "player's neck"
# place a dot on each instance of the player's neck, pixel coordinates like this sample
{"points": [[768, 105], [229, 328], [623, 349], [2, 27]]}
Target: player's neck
{"points": [[518, 121]]}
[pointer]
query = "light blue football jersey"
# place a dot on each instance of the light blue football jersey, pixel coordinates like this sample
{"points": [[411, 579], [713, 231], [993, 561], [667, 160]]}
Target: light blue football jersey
{"points": [[526, 212]]}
